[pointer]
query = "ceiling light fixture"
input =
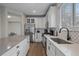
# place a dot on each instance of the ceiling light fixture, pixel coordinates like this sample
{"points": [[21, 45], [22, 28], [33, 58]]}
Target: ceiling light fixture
{"points": [[9, 16], [34, 11]]}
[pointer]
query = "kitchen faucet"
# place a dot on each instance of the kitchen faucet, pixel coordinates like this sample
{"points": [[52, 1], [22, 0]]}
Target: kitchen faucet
{"points": [[68, 38]]}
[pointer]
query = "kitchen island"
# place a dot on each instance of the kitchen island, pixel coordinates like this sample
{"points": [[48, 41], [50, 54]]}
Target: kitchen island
{"points": [[55, 49], [14, 45]]}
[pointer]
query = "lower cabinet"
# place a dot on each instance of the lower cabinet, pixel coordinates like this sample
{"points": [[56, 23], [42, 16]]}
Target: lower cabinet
{"points": [[11, 52], [38, 37], [59, 53], [20, 49], [52, 50]]}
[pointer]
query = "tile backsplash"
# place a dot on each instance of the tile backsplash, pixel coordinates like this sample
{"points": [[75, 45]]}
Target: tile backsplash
{"points": [[73, 34]]}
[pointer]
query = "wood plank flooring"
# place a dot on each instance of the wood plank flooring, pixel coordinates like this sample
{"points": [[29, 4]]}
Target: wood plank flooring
{"points": [[36, 49]]}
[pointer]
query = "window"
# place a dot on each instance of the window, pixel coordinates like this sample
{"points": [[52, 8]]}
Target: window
{"points": [[76, 15], [66, 15]]}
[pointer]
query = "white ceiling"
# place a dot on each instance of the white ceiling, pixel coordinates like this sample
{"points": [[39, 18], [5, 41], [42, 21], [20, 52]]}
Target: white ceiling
{"points": [[29, 8]]}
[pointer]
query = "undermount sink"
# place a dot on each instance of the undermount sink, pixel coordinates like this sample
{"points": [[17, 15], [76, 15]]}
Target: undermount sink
{"points": [[60, 41]]}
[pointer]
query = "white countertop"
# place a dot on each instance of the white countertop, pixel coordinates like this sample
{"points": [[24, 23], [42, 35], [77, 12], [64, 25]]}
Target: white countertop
{"points": [[66, 49], [7, 43]]}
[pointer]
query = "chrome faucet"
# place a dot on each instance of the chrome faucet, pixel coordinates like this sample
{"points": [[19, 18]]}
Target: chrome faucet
{"points": [[68, 37]]}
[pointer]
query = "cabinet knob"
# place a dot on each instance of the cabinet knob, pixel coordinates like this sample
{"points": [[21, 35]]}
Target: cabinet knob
{"points": [[17, 47]]}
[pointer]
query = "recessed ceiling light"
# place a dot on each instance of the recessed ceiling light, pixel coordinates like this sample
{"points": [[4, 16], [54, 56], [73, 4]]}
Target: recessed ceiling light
{"points": [[9, 16], [34, 11]]}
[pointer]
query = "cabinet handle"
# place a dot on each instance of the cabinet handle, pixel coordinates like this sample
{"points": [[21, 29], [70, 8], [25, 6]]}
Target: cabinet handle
{"points": [[17, 47], [18, 52]]}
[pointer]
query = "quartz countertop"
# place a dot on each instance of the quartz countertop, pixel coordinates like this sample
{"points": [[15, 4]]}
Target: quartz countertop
{"points": [[66, 49], [9, 42]]}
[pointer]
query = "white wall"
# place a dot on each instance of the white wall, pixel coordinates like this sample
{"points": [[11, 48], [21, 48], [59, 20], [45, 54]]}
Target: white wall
{"points": [[5, 28], [14, 24], [14, 27], [4, 23]]}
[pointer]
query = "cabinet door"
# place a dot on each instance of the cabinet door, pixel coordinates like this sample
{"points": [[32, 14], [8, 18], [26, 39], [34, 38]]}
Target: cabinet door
{"points": [[48, 48], [59, 53], [32, 20], [52, 17], [38, 37], [11, 52], [49, 18], [52, 49], [23, 47], [36, 23]]}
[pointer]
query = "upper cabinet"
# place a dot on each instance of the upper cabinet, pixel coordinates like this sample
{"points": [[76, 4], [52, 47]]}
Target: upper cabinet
{"points": [[38, 21], [30, 20], [52, 17]]}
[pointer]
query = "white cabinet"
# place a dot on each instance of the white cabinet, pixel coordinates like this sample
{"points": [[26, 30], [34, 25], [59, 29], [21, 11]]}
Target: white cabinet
{"points": [[20, 49], [11, 52], [59, 53], [40, 22], [24, 46], [52, 16], [38, 37], [50, 49]]}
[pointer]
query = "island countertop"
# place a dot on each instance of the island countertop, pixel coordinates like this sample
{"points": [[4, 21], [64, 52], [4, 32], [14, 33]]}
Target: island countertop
{"points": [[66, 49], [9, 42]]}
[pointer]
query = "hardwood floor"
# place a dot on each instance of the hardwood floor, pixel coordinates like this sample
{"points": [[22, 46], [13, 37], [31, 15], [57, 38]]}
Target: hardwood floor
{"points": [[36, 49]]}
